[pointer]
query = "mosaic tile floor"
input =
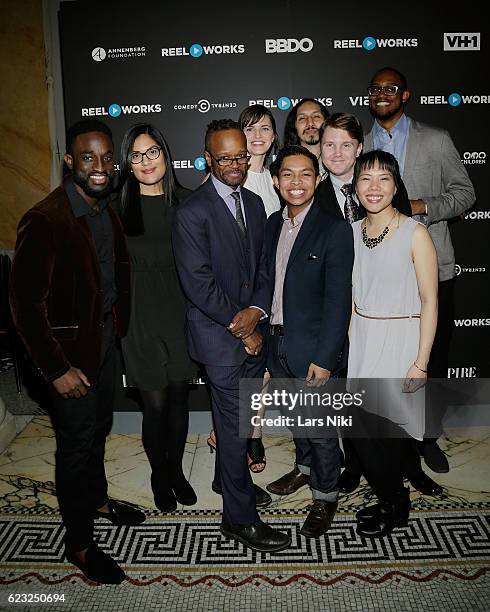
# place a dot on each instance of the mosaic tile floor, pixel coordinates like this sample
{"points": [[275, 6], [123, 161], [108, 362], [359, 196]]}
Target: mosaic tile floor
{"points": [[440, 561]]}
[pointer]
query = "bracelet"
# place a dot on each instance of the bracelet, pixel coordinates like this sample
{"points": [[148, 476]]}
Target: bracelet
{"points": [[419, 368]]}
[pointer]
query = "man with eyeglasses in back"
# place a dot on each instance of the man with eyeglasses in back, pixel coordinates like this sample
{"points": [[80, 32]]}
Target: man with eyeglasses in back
{"points": [[439, 189], [218, 240]]}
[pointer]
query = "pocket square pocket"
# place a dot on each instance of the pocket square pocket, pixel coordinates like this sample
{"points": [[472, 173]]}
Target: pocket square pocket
{"points": [[312, 256]]}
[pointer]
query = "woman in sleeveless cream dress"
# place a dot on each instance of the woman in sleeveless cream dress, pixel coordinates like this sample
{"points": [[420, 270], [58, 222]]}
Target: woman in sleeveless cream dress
{"points": [[394, 285]]}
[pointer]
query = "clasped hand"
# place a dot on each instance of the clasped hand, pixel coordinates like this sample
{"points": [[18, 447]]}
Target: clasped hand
{"points": [[73, 384]]}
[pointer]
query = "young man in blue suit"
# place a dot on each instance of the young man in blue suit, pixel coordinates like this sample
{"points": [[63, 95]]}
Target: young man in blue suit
{"points": [[310, 254], [218, 239]]}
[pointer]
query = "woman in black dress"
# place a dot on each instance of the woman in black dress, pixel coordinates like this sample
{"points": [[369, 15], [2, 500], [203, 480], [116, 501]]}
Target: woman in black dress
{"points": [[154, 349]]}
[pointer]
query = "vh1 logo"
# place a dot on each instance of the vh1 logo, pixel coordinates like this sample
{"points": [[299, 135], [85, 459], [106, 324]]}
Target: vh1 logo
{"points": [[461, 41]]}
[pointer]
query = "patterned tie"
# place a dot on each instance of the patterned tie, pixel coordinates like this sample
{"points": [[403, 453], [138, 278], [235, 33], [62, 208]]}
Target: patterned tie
{"points": [[351, 210], [238, 213]]}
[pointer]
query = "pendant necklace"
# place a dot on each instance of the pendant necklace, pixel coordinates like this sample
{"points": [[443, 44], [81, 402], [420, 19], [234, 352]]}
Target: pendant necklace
{"points": [[372, 242]]}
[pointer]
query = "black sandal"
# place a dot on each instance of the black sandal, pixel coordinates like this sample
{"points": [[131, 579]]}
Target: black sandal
{"points": [[256, 454]]}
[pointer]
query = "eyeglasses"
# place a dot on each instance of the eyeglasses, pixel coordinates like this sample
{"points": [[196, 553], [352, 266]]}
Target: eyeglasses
{"points": [[151, 154], [228, 161], [389, 90]]}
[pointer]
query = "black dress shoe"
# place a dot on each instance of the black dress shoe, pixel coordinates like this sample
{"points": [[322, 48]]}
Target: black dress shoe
{"points": [[289, 483], [434, 457], [319, 518], [262, 498], [165, 501], [382, 518], [425, 485], [98, 566], [121, 513], [348, 482], [184, 493], [258, 536]]}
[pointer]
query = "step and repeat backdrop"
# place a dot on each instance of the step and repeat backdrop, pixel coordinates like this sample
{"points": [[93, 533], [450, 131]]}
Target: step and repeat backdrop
{"points": [[180, 65]]}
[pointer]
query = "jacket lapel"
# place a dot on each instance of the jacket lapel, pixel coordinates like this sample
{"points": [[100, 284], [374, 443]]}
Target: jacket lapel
{"points": [[305, 231], [413, 146]]}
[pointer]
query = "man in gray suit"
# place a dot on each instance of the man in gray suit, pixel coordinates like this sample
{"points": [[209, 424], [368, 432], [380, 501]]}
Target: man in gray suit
{"points": [[439, 189]]}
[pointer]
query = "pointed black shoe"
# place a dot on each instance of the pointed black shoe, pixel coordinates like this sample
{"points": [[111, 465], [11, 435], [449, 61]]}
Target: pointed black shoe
{"points": [[425, 485], [258, 536], [162, 493], [121, 513], [262, 498], [348, 482], [183, 491], [380, 519], [98, 566], [434, 457]]}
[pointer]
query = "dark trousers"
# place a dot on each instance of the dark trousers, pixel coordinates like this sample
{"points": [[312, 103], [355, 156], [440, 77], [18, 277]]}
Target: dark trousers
{"points": [[382, 459], [320, 456], [231, 469], [81, 427]]}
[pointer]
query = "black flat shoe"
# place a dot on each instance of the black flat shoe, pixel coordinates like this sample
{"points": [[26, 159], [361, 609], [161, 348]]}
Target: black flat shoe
{"points": [[434, 457], [380, 519], [426, 485], [121, 513], [262, 498], [258, 536], [98, 566], [184, 493]]}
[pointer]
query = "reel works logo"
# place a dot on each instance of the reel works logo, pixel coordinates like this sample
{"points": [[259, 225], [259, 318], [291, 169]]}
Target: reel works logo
{"points": [[369, 43], [197, 50], [99, 54], [284, 103], [199, 163], [115, 110], [455, 99]]}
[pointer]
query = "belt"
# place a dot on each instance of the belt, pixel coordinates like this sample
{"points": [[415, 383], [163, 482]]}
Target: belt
{"points": [[412, 316], [276, 330]]}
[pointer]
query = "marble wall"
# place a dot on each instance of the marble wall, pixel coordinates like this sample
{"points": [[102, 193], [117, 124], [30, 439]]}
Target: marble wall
{"points": [[24, 137]]}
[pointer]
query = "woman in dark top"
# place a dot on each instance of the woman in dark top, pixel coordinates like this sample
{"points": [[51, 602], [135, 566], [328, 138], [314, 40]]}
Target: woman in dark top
{"points": [[154, 349]]}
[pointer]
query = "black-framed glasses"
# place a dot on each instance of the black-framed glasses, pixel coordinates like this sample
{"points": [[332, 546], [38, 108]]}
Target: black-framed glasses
{"points": [[227, 161], [151, 154], [388, 90]]}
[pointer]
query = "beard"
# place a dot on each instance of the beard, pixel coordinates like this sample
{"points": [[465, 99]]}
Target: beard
{"points": [[313, 139], [99, 194], [385, 114]]}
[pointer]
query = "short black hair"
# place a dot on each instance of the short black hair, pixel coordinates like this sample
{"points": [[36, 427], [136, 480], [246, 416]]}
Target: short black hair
{"points": [[218, 125], [399, 74], [290, 133], [290, 151], [84, 127]]}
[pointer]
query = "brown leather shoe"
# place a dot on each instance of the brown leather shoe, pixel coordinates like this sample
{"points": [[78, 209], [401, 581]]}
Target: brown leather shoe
{"points": [[319, 518], [289, 483]]}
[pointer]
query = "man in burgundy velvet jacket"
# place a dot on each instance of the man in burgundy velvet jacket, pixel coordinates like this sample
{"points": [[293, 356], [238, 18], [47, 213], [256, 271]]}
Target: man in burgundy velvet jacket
{"points": [[69, 294]]}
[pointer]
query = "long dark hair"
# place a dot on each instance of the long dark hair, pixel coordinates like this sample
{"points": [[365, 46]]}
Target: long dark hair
{"points": [[385, 161], [290, 132], [131, 215]]}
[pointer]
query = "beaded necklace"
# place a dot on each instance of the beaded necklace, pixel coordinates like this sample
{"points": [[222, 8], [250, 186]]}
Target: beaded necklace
{"points": [[372, 242]]}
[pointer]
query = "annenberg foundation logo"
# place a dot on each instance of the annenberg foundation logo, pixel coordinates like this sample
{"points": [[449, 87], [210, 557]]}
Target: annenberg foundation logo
{"points": [[284, 103], [369, 43], [203, 105], [115, 110], [197, 50], [461, 41], [288, 45], [99, 54], [455, 99], [474, 157], [458, 270]]}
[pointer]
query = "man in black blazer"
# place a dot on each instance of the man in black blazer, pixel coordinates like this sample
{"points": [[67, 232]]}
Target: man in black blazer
{"points": [[341, 139], [218, 240], [310, 256]]}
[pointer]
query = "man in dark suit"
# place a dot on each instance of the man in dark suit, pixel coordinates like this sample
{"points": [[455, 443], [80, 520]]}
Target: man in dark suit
{"points": [[310, 256], [69, 290], [341, 139], [218, 238]]}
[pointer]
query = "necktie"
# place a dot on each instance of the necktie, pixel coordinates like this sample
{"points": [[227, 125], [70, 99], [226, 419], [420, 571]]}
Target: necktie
{"points": [[238, 213], [351, 210]]}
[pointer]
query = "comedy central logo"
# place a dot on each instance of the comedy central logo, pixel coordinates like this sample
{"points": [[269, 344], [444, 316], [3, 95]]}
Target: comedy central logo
{"points": [[115, 110], [99, 54], [455, 99], [369, 43], [203, 105], [197, 50]]}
